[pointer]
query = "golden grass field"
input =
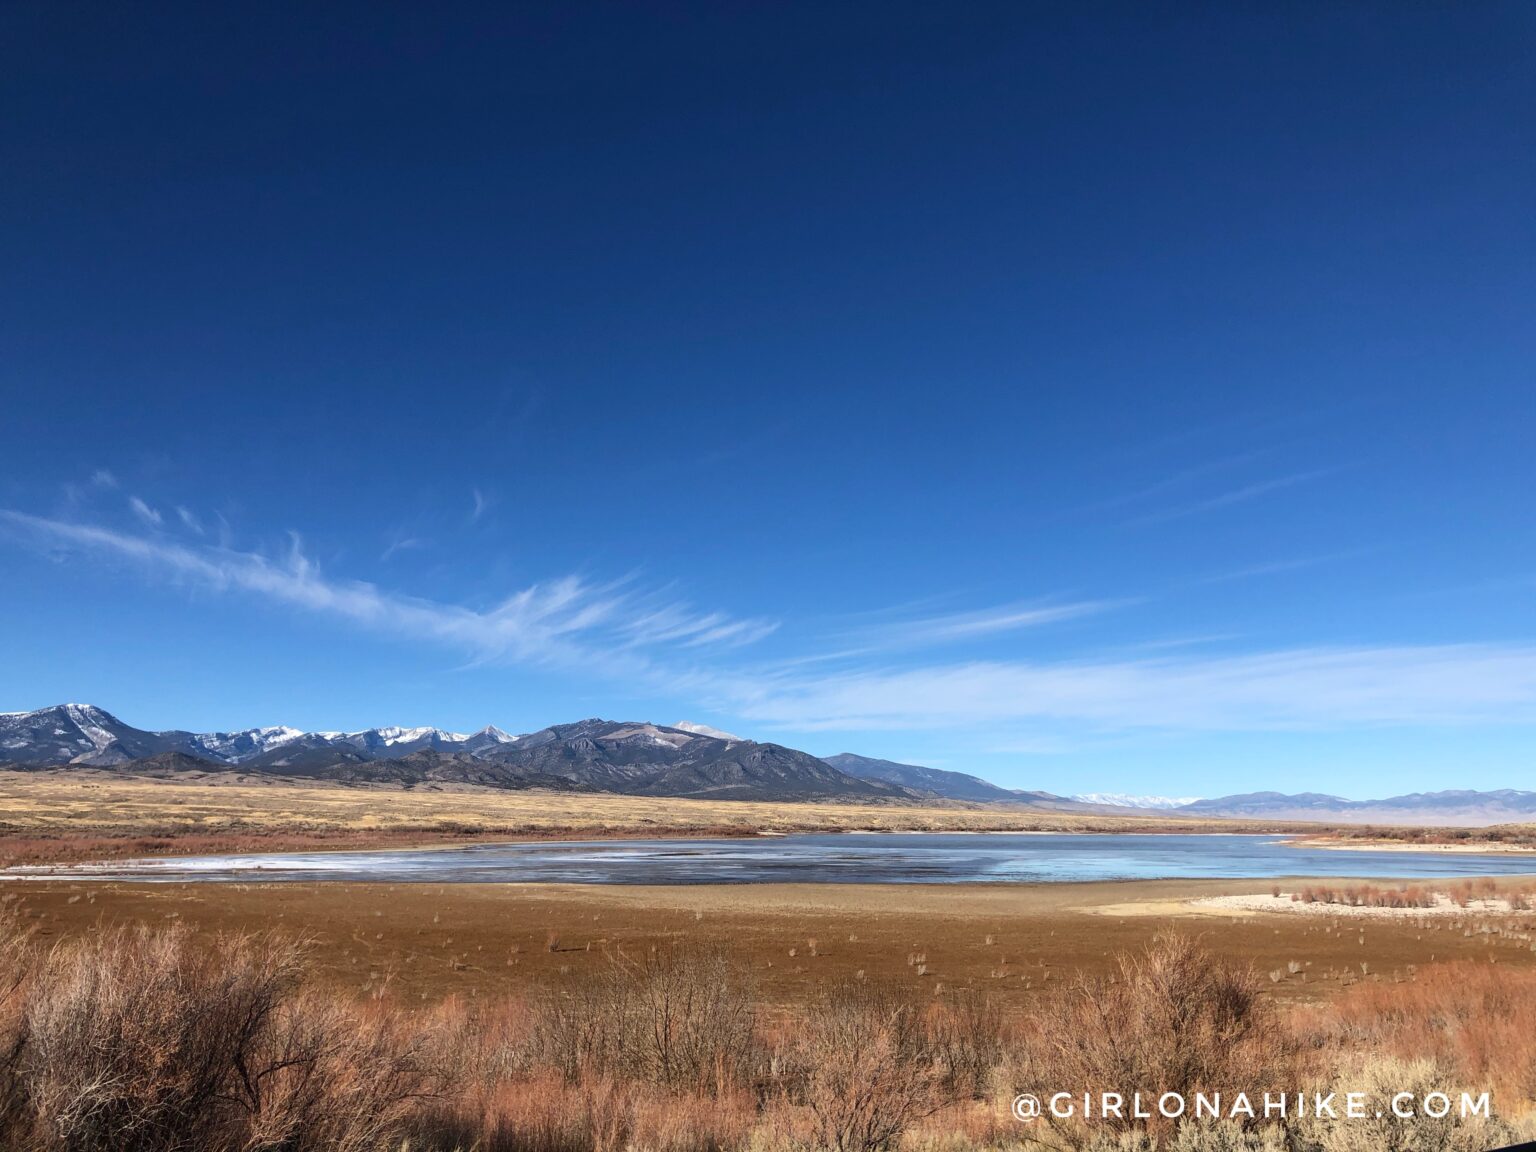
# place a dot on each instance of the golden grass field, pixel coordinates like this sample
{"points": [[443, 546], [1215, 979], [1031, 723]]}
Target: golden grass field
{"points": [[80, 814]]}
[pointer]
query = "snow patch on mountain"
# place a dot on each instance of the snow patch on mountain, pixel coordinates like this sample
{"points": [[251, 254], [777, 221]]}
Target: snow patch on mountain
{"points": [[1124, 800], [706, 730], [240, 746], [393, 735], [91, 723]]}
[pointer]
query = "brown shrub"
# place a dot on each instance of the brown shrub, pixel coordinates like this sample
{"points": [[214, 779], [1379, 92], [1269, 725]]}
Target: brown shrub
{"points": [[865, 1068], [680, 1018], [1172, 1019], [1367, 896], [967, 1038], [336, 1076], [140, 1040], [137, 1041]]}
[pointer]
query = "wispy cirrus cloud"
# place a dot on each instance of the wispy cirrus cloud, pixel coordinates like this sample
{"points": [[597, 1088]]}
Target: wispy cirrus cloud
{"points": [[400, 542], [957, 627], [1299, 688], [1182, 480], [144, 512], [1280, 567], [1233, 496], [679, 624], [568, 620]]}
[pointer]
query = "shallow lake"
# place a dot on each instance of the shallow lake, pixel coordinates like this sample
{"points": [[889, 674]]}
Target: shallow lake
{"points": [[849, 858]]}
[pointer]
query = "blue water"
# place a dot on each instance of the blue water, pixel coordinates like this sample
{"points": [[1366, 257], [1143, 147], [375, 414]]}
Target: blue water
{"points": [[895, 858]]}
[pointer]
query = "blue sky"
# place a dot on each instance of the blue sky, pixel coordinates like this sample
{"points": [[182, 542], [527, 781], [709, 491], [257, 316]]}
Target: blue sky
{"points": [[1089, 396]]}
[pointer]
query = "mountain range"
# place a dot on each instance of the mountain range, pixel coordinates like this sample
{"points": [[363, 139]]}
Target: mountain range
{"points": [[644, 759], [1457, 806], [639, 759]]}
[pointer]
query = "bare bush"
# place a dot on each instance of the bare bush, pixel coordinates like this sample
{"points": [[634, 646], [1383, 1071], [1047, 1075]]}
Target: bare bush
{"points": [[140, 1040], [866, 1068], [1172, 1016], [679, 1018], [967, 1041], [336, 1076]]}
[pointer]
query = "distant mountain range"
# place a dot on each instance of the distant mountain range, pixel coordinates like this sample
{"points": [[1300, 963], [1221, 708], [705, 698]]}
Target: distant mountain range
{"points": [[644, 759], [1458, 807], [637, 759]]}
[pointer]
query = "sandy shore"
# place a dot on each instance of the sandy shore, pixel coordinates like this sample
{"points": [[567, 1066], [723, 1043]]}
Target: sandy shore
{"points": [[1480, 849], [1443, 908]]}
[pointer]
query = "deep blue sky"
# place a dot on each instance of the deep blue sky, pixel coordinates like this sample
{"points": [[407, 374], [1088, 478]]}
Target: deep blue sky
{"points": [[1089, 396]]}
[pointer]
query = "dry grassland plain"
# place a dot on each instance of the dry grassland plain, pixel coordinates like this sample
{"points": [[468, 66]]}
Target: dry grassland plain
{"points": [[433, 941], [77, 815]]}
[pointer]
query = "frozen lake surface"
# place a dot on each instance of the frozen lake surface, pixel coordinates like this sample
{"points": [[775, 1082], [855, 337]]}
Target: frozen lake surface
{"points": [[890, 858]]}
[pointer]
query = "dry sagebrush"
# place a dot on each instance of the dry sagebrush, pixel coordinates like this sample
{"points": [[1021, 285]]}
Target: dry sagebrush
{"points": [[161, 1041], [140, 1041]]}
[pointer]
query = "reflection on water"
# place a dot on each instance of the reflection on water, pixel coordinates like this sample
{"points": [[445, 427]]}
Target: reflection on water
{"points": [[893, 858]]}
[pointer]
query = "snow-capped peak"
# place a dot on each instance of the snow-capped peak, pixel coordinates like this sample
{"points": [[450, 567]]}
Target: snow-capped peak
{"points": [[706, 730], [496, 735], [1123, 800], [396, 735]]}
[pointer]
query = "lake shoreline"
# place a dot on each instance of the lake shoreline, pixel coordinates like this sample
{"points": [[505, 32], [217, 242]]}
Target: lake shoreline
{"points": [[1480, 849], [847, 857]]}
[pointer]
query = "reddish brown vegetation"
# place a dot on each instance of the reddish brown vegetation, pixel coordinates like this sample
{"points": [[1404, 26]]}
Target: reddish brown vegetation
{"points": [[1477, 1020], [1463, 894], [1496, 836], [1172, 1016], [152, 1040]]}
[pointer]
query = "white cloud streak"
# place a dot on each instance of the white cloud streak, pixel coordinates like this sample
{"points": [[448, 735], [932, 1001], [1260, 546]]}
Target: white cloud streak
{"points": [[401, 544], [567, 620], [956, 627], [1302, 688], [144, 512], [1235, 496]]}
